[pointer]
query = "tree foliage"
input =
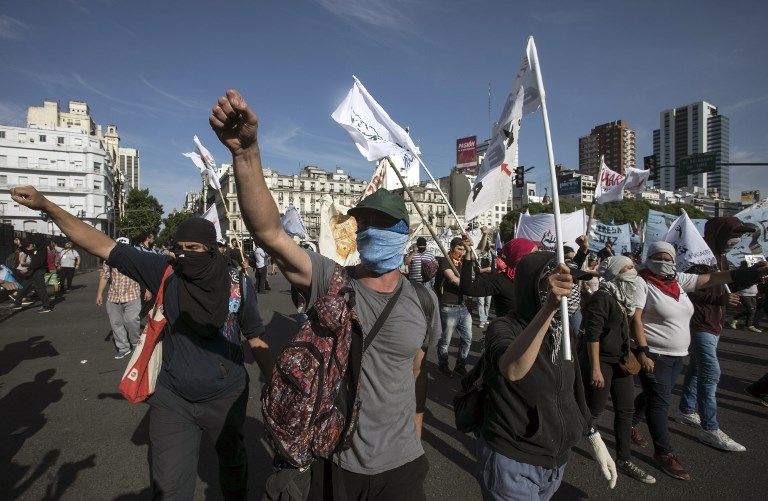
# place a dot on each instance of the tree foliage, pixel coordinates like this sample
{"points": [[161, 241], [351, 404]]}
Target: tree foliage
{"points": [[143, 213], [625, 211], [169, 225]]}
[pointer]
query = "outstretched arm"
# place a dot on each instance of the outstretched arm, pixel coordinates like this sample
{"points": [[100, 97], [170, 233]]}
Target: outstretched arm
{"points": [[235, 124], [84, 235]]}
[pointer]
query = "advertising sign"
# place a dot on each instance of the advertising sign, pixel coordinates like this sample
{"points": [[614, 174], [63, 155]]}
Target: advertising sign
{"points": [[568, 185], [466, 152]]}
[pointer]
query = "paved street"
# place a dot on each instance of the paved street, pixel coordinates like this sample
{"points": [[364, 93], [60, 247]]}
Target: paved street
{"points": [[66, 433]]}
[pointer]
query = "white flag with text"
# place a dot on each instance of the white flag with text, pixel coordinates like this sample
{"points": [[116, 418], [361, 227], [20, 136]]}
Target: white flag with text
{"points": [[204, 161], [610, 186], [636, 180], [689, 244]]}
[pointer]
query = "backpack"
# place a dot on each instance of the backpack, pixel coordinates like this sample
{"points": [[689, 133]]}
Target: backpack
{"points": [[310, 405], [469, 402], [428, 269]]}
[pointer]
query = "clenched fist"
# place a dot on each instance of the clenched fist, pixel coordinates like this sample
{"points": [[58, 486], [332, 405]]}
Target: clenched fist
{"points": [[234, 123], [29, 197]]}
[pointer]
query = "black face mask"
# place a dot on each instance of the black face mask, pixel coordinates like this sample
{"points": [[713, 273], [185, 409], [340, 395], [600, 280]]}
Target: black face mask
{"points": [[203, 290], [193, 265]]}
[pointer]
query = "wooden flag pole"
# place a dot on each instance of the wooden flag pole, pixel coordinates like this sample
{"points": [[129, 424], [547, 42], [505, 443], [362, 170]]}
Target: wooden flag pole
{"points": [[423, 219], [589, 221], [229, 219]]}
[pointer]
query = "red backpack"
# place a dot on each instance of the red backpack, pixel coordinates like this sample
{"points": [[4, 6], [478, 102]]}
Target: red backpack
{"points": [[310, 405]]}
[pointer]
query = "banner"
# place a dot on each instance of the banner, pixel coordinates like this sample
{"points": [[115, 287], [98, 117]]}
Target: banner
{"points": [[466, 152], [610, 186], [658, 225], [292, 223], [541, 228], [408, 166], [375, 134], [689, 244], [338, 233], [378, 179], [636, 180], [568, 185], [756, 217], [212, 215], [620, 235], [494, 179]]}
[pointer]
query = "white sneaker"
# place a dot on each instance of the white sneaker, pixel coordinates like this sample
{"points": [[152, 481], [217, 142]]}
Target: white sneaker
{"points": [[691, 419], [719, 440]]}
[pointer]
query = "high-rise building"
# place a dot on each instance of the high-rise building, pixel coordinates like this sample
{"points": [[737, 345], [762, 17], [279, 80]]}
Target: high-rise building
{"points": [[684, 131], [615, 141], [129, 166]]}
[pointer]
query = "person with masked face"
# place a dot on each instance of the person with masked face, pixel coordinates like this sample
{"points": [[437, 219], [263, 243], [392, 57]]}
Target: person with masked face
{"points": [[604, 346], [385, 459], [661, 328], [202, 385], [535, 410]]}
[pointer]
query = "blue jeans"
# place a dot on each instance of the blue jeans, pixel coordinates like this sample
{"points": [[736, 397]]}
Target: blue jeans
{"points": [[701, 380], [502, 478], [655, 399], [455, 317], [483, 308]]}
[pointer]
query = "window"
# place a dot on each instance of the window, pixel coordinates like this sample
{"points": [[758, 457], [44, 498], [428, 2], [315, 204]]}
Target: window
{"points": [[78, 182], [61, 182], [2, 134], [41, 137], [96, 185], [3, 161], [96, 166], [43, 181], [23, 180], [60, 140], [23, 162], [3, 179]]}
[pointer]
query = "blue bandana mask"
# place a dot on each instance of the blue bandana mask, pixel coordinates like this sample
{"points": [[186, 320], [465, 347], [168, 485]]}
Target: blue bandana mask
{"points": [[381, 249]]}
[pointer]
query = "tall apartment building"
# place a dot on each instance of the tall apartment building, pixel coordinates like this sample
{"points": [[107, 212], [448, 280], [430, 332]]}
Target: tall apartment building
{"points": [[67, 165], [613, 140], [129, 165], [683, 131]]}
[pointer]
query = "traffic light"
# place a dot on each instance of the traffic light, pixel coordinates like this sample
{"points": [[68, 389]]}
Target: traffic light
{"points": [[519, 177]]}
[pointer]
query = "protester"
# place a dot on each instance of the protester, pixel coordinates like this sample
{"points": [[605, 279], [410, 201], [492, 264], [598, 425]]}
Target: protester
{"points": [[34, 277], [590, 286], [422, 265], [604, 347], [606, 251], [236, 255], [454, 314], [147, 242], [203, 385], [69, 261], [703, 375], [535, 410], [748, 299], [123, 306], [486, 261], [52, 277], [385, 459], [222, 246], [259, 265], [660, 326]]}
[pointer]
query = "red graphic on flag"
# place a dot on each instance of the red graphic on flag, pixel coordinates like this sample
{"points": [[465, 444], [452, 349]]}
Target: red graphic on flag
{"points": [[505, 169]]}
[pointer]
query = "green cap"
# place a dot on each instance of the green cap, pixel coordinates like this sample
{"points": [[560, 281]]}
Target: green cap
{"points": [[384, 201]]}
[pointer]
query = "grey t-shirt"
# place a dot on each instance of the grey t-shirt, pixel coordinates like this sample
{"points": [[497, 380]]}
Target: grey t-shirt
{"points": [[386, 434]]}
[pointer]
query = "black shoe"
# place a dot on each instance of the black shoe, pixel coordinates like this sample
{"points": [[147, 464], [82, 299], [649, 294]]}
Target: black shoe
{"points": [[460, 370], [445, 370], [762, 398]]}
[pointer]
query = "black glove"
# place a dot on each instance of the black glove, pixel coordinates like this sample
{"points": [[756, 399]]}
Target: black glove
{"points": [[749, 276]]}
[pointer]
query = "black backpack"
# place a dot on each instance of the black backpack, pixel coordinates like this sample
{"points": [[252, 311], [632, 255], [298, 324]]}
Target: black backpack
{"points": [[469, 402]]}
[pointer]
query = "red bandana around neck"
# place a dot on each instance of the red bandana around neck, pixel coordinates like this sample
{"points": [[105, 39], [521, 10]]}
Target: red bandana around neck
{"points": [[670, 287]]}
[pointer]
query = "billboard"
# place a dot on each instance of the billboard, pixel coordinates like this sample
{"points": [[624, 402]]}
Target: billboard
{"points": [[568, 185], [750, 197], [466, 152]]}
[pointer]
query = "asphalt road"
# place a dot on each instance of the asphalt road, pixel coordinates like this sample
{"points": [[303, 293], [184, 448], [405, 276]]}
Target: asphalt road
{"points": [[65, 432]]}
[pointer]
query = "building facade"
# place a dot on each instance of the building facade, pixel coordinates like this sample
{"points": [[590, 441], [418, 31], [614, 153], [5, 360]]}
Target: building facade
{"points": [[615, 141], [128, 163], [68, 166], [684, 131]]}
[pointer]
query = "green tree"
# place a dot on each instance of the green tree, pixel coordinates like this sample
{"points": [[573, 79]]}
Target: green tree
{"points": [[143, 213], [169, 225]]}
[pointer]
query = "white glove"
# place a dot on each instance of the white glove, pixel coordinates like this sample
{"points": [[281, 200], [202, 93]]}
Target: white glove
{"points": [[603, 458]]}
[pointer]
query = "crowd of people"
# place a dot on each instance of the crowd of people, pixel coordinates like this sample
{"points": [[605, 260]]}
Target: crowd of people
{"points": [[344, 403]]}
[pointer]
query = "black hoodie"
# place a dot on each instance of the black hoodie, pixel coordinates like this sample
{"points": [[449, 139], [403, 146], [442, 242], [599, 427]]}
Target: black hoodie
{"points": [[537, 419]]}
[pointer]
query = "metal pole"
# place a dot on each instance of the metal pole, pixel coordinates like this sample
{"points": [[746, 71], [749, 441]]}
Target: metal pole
{"points": [[424, 219]]}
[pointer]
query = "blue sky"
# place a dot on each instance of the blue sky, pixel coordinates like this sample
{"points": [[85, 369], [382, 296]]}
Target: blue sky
{"points": [[156, 68]]}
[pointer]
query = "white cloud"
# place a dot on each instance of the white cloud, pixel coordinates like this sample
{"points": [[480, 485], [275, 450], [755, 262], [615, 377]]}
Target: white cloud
{"points": [[387, 15], [11, 28], [745, 103], [170, 96]]}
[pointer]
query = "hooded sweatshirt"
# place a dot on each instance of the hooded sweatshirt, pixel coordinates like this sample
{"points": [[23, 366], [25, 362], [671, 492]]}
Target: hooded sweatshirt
{"points": [[708, 310], [537, 419]]}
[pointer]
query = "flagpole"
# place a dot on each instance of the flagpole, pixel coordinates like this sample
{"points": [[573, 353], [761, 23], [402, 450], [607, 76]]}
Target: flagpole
{"points": [[229, 220], [555, 204], [423, 219]]}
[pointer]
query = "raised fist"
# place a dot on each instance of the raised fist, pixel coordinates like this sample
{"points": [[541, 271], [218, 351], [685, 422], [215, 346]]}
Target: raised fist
{"points": [[233, 122], [28, 196]]}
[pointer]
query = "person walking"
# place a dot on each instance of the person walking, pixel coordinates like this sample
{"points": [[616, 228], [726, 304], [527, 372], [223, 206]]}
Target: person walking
{"points": [[259, 265], [52, 277], [34, 277], [604, 347], [422, 265], [454, 315], [534, 408], [661, 328], [748, 299], [202, 385], [385, 458], [123, 306], [486, 261], [69, 261]]}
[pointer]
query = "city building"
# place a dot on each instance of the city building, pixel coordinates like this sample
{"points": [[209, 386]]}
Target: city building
{"points": [[684, 131], [129, 166], [576, 186], [615, 141], [67, 165], [432, 204]]}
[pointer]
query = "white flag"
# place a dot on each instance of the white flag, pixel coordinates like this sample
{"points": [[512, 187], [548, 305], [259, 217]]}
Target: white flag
{"points": [[204, 161], [690, 245], [541, 228], [494, 179], [408, 167], [292, 223], [212, 215], [338, 233], [636, 180], [378, 180], [610, 186], [375, 134]]}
